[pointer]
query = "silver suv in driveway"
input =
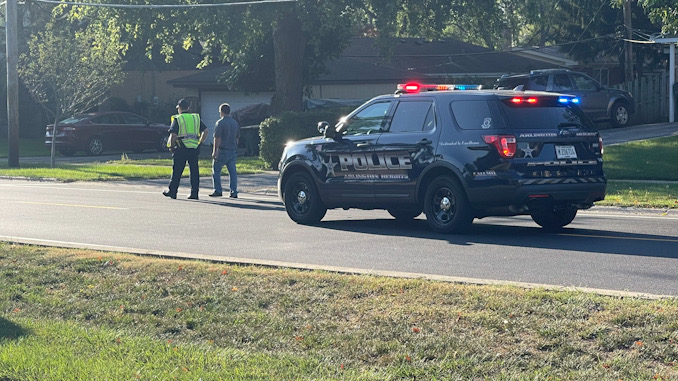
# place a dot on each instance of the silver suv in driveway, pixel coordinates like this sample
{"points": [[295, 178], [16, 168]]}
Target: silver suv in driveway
{"points": [[600, 103]]}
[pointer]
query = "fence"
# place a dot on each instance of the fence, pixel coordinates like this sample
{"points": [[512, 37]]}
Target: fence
{"points": [[651, 94]]}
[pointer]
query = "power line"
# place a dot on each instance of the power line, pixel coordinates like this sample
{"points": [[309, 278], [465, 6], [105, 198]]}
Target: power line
{"points": [[159, 6]]}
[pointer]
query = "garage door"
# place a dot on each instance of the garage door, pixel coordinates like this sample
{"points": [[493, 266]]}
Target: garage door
{"points": [[210, 101]]}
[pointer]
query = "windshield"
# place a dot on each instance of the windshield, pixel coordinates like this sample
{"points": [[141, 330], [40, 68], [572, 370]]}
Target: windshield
{"points": [[545, 116], [74, 119]]}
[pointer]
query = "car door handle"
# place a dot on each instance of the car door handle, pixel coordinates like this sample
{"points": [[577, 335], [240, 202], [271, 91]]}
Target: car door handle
{"points": [[424, 142], [363, 144]]}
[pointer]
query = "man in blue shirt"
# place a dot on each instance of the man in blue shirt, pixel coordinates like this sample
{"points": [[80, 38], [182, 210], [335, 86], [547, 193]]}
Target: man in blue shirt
{"points": [[225, 151]]}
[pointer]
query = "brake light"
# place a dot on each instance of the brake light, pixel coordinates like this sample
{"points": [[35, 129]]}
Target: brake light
{"points": [[505, 144], [600, 145]]}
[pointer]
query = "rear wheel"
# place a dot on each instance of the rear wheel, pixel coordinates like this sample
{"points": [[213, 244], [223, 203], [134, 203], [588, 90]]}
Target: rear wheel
{"points": [[446, 206], [95, 146], [620, 114], [302, 201], [553, 219], [162, 146]]}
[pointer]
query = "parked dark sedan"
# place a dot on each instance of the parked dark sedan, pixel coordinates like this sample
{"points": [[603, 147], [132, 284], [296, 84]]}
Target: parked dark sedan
{"points": [[103, 131]]}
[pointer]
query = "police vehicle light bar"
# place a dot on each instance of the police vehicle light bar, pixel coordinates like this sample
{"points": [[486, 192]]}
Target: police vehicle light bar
{"points": [[416, 87], [568, 100]]}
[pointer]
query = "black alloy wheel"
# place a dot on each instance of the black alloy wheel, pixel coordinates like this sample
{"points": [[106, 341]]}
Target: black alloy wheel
{"points": [[446, 206], [302, 201], [620, 114], [162, 147], [95, 146]]}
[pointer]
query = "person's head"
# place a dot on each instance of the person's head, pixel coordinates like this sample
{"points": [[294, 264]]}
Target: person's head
{"points": [[183, 105], [224, 109]]}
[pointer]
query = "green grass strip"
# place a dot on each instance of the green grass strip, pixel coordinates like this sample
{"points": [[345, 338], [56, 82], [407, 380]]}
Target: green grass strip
{"points": [[80, 315]]}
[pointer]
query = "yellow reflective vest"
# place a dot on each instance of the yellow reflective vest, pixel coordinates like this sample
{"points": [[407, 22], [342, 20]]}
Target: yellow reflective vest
{"points": [[189, 129]]}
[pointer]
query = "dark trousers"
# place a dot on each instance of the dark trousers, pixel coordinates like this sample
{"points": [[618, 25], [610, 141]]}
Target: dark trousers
{"points": [[180, 157]]}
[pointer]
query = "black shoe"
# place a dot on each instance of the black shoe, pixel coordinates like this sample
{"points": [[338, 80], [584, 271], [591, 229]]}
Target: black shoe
{"points": [[233, 195], [169, 194], [215, 194], [193, 197]]}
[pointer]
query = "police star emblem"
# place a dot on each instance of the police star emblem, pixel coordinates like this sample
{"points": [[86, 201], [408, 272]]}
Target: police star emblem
{"points": [[529, 151], [327, 162]]}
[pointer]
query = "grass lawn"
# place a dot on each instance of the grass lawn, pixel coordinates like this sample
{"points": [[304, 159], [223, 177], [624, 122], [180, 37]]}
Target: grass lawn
{"points": [[83, 315], [653, 159], [27, 147], [122, 170]]}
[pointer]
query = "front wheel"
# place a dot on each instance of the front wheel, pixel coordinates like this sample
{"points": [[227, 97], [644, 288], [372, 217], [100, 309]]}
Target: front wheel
{"points": [[553, 219], [302, 201], [620, 114], [95, 146], [446, 206]]}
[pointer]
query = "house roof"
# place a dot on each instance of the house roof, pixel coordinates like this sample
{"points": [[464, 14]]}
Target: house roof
{"points": [[416, 59], [412, 59]]}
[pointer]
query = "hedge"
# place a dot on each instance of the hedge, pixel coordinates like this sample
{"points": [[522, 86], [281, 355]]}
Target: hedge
{"points": [[276, 131]]}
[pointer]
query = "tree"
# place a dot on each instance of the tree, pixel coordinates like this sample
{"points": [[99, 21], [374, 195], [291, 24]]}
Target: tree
{"points": [[68, 70], [664, 11]]}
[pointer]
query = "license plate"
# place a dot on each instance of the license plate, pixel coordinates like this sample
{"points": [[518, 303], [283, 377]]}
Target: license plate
{"points": [[566, 152]]}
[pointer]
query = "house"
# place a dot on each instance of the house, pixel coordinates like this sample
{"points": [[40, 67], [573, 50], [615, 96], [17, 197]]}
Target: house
{"points": [[361, 73]]}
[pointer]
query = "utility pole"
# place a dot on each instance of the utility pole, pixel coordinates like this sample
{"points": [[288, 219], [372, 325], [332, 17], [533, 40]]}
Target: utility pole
{"points": [[628, 57], [12, 84]]}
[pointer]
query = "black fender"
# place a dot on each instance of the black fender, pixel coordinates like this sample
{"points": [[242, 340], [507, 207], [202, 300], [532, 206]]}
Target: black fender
{"points": [[434, 170]]}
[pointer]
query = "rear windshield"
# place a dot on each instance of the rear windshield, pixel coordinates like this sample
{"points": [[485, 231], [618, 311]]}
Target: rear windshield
{"points": [[544, 115], [74, 119]]}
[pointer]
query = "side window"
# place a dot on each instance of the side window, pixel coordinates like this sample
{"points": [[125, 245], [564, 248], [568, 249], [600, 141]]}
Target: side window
{"points": [[371, 119], [413, 117], [475, 115], [561, 82], [132, 119], [539, 82], [106, 119], [584, 83]]}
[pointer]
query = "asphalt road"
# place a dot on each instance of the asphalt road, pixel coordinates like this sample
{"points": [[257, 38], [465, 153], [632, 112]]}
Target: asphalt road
{"points": [[603, 249]]}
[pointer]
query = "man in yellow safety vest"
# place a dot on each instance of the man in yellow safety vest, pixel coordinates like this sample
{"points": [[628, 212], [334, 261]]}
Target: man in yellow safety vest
{"points": [[187, 133]]}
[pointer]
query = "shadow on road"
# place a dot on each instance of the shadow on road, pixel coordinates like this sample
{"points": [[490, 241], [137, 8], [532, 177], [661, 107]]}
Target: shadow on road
{"points": [[567, 239]]}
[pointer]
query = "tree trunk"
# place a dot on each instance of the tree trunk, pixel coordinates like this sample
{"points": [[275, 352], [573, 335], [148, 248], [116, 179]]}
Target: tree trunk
{"points": [[289, 43]]}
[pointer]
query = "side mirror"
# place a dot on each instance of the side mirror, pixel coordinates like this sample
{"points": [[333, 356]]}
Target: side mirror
{"points": [[325, 129]]}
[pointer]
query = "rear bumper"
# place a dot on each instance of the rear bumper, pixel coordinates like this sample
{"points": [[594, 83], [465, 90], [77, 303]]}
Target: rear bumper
{"points": [[577, 193]]}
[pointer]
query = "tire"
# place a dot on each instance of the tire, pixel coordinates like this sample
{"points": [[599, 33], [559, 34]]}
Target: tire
{"points": [[404, 214], [302, 200], [553, 219], [95, 146], [620, 116], [162, 147], [446, 206]]}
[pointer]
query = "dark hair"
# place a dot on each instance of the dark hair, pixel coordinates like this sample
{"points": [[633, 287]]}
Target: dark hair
{"points": [[183, 103], [225, 108]]}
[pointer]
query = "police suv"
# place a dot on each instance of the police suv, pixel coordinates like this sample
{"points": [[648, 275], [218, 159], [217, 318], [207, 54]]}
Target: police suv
{"points": [[454, 155]]}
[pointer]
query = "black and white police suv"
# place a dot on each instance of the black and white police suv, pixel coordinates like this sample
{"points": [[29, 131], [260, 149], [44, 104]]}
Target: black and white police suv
{"points": [[454, 155]]}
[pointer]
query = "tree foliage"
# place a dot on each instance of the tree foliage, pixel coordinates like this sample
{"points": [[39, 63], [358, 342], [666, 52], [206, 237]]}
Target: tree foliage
{"points": [[69, 70], [664, 11]]}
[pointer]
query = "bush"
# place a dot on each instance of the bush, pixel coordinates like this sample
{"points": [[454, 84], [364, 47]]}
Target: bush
{"points": [[276, 131]]}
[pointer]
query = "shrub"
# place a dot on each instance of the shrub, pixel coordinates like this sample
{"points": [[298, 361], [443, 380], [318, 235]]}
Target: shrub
{"points": [[278, 130]]}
